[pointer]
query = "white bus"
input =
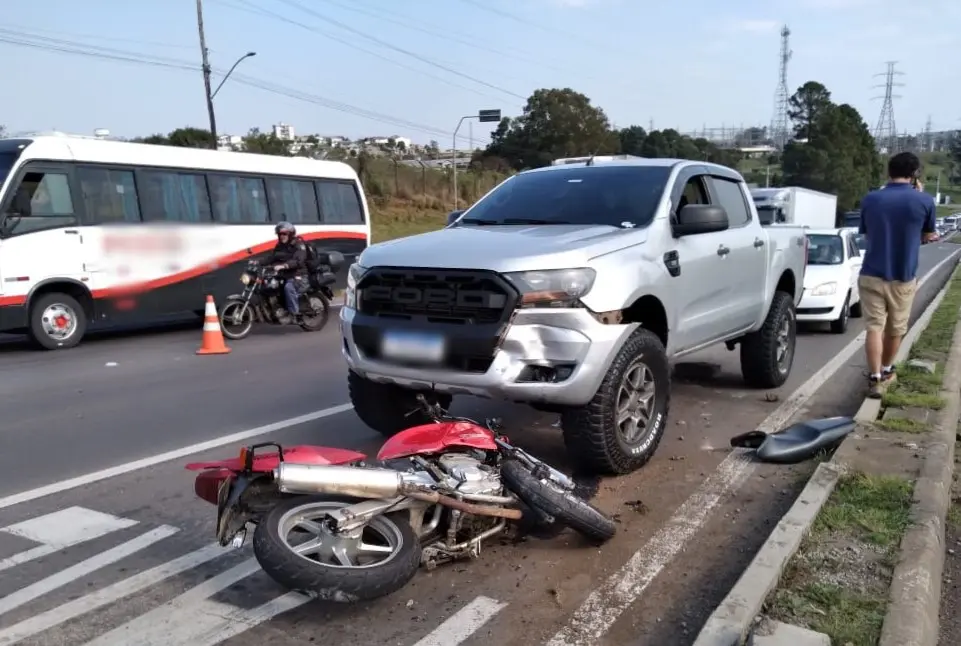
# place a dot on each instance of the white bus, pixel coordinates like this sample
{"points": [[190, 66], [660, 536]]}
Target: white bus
{"points": [[99, 232]]}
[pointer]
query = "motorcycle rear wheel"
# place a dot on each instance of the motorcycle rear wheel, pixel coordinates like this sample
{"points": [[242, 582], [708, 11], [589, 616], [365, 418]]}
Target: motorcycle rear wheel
{"points": [[236, 330], [564, 506], [321, 308], [388, 541]]}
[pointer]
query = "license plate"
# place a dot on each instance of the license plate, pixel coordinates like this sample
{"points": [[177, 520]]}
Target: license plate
{"points": [[415, 347]]}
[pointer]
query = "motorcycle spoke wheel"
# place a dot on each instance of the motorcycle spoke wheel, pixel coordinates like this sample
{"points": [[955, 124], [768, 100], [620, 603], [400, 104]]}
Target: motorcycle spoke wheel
{"points": [[233, 325]]}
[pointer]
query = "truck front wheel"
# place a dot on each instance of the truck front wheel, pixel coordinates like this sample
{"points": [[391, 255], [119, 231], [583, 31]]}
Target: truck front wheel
{"points": [[618, 431], [768, 354], [387, 408]]}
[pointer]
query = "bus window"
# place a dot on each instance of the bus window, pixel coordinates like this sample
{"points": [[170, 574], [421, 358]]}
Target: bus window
{"points": [[293, 201], [339, 202], [42, 201], [174, 197], [238, 200], [109, 196]]}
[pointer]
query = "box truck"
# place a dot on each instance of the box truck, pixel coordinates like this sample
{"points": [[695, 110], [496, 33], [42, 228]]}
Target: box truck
{"points": [[797, 206]]}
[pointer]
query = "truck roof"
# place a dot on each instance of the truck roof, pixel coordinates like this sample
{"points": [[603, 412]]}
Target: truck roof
{"points": [[641, 161]]}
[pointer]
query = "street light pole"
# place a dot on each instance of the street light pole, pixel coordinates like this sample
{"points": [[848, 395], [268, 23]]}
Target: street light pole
{"points": [[231, 71], [483, 116], [206, 70]]}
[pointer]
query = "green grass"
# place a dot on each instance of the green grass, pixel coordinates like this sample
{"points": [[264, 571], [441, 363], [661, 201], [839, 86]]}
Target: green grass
{"points": [[865, 517], [900, 425]]}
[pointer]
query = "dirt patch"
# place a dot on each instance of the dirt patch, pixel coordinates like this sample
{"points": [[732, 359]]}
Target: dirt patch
{"points": [[838, 581]]}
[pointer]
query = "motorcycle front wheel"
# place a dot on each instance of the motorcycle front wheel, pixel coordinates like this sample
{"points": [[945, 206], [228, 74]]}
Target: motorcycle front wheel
{"points": [[552, 499], [320, 309], [234, 324], [296, 549]]}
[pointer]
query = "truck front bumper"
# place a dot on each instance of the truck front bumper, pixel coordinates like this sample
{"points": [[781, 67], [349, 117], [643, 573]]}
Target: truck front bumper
{"points": [[545, 356]]}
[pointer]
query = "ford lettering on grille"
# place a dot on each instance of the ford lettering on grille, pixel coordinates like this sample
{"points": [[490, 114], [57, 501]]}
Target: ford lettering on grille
{"points": [[435, 297]]}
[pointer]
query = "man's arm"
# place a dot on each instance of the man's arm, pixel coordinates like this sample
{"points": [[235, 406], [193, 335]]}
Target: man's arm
{"points": [[929, 229]]}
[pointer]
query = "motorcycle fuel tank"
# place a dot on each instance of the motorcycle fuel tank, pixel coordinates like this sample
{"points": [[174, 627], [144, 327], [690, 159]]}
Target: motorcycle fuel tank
{"points": [[434, 438]]}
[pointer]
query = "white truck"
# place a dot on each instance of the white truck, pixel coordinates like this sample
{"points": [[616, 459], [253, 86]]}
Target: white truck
{"points": [[795, 205]]}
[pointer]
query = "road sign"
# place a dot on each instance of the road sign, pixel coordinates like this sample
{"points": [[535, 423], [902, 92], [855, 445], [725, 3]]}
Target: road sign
{"points": [[485, 116]]}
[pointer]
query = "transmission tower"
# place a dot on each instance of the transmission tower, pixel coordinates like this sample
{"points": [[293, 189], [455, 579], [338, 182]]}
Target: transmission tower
{"points": [[885, 133], [927, 142], [779, 121]]}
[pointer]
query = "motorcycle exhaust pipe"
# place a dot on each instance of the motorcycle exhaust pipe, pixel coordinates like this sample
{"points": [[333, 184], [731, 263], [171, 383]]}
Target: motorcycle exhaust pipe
{"points": [[338, 480]]}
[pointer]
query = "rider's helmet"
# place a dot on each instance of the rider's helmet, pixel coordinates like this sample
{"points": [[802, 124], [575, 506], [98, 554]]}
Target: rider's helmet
{"points": [[283, 228]]}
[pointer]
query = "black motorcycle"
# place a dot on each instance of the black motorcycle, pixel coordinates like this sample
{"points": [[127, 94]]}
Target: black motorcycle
{"points": [[262, 300]]}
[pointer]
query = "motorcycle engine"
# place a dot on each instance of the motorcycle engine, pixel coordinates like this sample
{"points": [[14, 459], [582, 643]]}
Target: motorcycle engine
{"points": [[469, 476]]}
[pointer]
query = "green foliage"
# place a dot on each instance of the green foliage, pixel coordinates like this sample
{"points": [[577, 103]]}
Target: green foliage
{"points": [[833, 151], [955, 158], [182, 137], [563, 123]]}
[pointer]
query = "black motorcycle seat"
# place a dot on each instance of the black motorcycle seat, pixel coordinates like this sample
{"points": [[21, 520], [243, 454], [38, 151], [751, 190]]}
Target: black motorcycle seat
{"points": [[803, 440]]}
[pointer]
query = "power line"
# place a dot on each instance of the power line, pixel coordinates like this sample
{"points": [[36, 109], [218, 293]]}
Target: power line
{"points": [[19, 38], [401, 50], [254, 9]]}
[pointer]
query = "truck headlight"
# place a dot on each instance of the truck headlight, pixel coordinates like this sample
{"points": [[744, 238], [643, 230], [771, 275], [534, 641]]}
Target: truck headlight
{"points": [[825, 289], [552, 287], [354, 274]]}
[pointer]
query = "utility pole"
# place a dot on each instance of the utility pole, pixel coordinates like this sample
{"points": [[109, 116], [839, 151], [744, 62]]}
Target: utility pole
{"points": [[206, 69]]}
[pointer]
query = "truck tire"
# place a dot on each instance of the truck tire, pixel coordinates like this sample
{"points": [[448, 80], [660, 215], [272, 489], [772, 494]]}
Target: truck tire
{"points": [[387, 408], [768, 354], [638, 377], [57, 321]]}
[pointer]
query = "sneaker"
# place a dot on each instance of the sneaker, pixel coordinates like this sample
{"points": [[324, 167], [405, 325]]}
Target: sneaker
{"points": [[889, 376], [876, 387]]}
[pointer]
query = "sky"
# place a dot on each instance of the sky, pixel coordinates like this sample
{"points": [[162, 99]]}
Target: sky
{"points": [[414, 67]]}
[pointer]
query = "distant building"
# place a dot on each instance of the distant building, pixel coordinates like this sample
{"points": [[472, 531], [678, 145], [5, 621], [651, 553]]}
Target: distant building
{"points": [[284, 131]]}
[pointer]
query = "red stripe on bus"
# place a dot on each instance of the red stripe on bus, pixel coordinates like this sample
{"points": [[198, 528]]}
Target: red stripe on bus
{"points": [[206, 268]]}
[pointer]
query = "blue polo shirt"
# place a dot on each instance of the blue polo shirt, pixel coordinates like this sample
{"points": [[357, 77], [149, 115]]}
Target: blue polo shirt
{"points": [[893, 220]]}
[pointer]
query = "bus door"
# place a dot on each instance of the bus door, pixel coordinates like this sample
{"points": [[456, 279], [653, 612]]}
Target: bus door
{"points": [[40, 237]]}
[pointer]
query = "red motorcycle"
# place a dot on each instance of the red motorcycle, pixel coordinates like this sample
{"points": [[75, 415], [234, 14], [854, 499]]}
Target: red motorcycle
{"points": [[334, 527]]}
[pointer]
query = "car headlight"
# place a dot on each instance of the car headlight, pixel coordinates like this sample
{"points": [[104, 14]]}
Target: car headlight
{"points": [[245, 279], [354, 274], [825, 289], [552, 287]]}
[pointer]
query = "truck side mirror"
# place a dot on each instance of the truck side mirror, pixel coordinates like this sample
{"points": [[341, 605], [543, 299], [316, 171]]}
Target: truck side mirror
{"points": [[453, 215], [700, 218]]}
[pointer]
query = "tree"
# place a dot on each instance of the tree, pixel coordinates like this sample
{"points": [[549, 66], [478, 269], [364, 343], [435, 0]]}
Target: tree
{"points": [[806, 105], [264, 144], [3, 131], [837, 154], [186, 137], [632, 140], [954, 152], [555, 123]]}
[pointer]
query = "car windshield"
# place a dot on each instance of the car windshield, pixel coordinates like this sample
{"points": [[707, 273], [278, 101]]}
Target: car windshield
{"points": [[7, 160], [825, 250], [862, 241], [617, 196]]}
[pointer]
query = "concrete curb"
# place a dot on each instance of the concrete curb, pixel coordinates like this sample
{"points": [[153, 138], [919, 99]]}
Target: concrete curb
{"points": [[915, 596], [732, 621]]}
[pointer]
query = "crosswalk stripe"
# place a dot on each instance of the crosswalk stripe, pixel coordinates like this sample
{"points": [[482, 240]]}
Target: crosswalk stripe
{"points": [[83, 568], [463, 623], [106, 596]]}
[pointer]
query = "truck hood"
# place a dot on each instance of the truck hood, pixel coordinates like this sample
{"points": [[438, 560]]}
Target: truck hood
{"points": [[503, 248]]}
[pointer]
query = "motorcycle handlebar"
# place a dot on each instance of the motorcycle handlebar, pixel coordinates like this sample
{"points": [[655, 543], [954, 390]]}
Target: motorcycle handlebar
{"points": [[437, 413]]}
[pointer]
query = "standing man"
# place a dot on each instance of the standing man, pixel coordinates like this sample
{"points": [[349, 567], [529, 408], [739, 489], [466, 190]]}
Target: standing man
{"points": [[895, 220]]}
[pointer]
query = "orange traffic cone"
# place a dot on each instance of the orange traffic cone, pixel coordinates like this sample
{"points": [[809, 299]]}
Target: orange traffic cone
{"points": [[213, 338]]}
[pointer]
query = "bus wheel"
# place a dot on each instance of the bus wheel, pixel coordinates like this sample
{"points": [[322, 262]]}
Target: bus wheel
{"points": [[57, 321]]}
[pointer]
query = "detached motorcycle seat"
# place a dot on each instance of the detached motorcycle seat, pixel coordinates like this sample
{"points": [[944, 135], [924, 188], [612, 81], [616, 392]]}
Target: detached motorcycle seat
{"points": [[798, 442]]}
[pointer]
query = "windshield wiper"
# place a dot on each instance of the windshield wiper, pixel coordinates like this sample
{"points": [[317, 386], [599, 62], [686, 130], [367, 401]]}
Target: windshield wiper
{"points": [[532, 221], [477, 221]]}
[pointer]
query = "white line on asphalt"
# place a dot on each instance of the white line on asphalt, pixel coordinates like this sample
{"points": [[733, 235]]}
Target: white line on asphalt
{"points": [[464, 623], [606, 604], [59, 530], [83, 568], [111, 594], [143, 463], [193, 619]]}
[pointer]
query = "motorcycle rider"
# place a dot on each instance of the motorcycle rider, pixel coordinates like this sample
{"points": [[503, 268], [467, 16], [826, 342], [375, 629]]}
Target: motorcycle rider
{"points": [[289, 260]]}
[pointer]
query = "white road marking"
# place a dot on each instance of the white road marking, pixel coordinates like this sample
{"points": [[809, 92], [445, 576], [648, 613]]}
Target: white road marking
{"points": [[83, 568], [111, 594], [143, 463], [606, 604], [192, 618], [59, 530], [463, 623]]}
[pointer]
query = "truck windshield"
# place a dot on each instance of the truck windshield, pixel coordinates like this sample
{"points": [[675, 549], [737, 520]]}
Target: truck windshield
{"points": [[852, 219], [7, 160], [607, 195], [825, 250]]}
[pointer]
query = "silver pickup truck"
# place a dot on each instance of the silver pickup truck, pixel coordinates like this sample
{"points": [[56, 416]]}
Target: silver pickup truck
{"points": [[571, 288]]}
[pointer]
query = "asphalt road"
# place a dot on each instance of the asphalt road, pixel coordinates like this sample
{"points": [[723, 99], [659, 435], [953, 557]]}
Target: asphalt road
{"points": [[689, 520]]}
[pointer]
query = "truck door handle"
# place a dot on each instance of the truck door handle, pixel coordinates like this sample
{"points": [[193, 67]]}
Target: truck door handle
{"points": [[758, 243], [72, 231], [723, 251]]}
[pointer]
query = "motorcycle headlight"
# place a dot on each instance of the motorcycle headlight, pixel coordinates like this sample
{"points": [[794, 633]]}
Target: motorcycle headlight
{"points": [[552, 287], [245, 279], [825, 289], [354, 274]]}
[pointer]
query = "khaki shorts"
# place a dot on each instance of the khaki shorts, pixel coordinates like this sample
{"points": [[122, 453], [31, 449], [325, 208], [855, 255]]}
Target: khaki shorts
{"points": [[886, 305]]}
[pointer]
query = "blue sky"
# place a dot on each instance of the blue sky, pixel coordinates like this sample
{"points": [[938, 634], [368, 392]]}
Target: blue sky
{"points": [[682, 64]]}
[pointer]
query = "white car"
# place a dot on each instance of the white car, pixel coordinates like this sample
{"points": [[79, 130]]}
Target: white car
{"points": [[831, 278]]}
